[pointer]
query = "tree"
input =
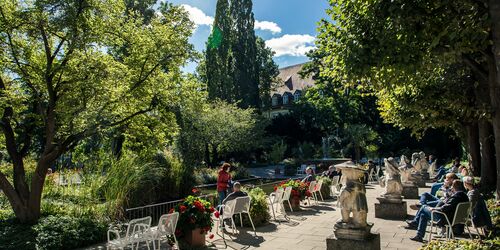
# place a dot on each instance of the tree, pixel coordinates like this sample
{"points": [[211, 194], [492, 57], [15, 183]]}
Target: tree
{"points": [[59, 84], [389, 44], [239, 67]]}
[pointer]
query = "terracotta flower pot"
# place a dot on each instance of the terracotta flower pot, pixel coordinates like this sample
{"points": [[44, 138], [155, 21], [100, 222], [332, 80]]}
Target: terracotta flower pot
{"points": [[196, 238], [295, 201]]}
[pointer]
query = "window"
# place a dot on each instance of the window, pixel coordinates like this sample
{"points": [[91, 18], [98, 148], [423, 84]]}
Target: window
{"points": [[285, 99], [296, 96], [275, 101]]}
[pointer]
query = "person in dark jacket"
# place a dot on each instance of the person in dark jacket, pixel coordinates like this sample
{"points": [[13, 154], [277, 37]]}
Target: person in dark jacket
{"points": [[310, 175], [235, 194], [448, 207], [480, 215]]}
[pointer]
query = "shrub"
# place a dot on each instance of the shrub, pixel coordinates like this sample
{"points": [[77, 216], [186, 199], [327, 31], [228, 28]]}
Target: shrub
{"points": [[463, 244], [239, 173], [206, 175], [259, 209], [15, 236], [64, 232]]}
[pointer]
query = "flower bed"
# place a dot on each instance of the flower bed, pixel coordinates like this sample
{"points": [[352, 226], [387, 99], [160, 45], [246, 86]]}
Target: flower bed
{"points": [[299, 189]]}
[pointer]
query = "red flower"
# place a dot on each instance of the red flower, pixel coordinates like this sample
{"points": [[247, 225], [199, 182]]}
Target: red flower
{"points": [[194, 190], [308, 193], [182, 208], [216, 214], [212, 209], [211, 236], [171, 211], [199, 206], [207, 228]]}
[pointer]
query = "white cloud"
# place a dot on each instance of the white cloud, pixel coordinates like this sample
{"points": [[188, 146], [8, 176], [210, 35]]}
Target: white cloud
{"points": [[293, 45], [266, 25], [197, 16]]}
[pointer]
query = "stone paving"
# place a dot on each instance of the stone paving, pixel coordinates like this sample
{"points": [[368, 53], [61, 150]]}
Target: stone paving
{"points": [[309, 228]]}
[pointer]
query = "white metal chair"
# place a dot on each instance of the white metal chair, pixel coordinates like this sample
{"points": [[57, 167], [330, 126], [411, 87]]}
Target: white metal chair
{"points": [[276, 199], [166, 226], [286, 196], [335, 187], [317, 189], [138, 230], [302, 169], [240, 206], [461, 216], [312, 187]]}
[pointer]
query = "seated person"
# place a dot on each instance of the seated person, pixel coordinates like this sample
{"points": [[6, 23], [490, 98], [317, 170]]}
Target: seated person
{"points": [[448, 207], [310, 175], [331, 172], [442, 171], [235, 194], [480, 215], [430, 198]]}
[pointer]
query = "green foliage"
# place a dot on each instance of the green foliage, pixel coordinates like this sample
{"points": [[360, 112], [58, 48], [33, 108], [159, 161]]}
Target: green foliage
{"points": [[299, 189], [277, 152], [259, 209], [194, 212], [494, 210], [239, 172], [462, 244], [206, 175], [15, 236], [63, 232]]}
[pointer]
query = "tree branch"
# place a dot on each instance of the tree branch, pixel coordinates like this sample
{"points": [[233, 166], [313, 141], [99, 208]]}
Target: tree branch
{"points": [[476, 67]]}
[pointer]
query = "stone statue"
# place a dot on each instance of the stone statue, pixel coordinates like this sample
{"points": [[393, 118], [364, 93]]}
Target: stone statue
{"points": [[352, 198], [415, 157], [424, 164], [405, 169], [393, 186]]}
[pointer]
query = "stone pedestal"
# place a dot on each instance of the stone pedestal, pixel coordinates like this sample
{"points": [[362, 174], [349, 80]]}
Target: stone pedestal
{"points": [[350, 239], [390, 209], [410, 191], [419, 179], [425, 175]]}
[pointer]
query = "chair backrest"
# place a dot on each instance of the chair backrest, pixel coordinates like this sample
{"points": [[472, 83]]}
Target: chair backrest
{"points": [[168, 223], [138, 224], [461, 213], [312, 186], [318, 185], [278, 195], [335, 180], [286, 193], [236, 206]]}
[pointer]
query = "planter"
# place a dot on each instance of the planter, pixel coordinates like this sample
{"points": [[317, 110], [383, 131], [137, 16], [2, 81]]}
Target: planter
{"points": [[295, 201], [196, 238]]}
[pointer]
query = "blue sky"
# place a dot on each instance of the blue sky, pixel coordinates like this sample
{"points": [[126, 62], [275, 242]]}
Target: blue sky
{"points": [[288, 26]]}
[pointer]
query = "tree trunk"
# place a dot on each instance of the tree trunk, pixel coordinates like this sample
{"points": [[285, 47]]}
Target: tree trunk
{"points": [[494, 9], [473, 147], [215, 156], [486, 141]]}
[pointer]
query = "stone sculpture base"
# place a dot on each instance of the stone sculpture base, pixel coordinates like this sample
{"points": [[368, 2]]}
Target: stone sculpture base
{"points": [[350, 239], [390, 210], [425, 176], [410, 192], [419, 180]]}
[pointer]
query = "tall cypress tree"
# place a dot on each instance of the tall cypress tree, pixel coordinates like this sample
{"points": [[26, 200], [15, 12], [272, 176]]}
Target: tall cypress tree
{"points": [[219, 62], [233, 64]]}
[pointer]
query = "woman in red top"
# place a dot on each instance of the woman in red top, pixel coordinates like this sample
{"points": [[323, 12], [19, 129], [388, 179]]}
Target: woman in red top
{"points": [[223, 181]]}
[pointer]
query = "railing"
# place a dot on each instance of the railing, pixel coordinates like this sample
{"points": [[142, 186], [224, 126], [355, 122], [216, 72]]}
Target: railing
{"points": [[158, 209]]}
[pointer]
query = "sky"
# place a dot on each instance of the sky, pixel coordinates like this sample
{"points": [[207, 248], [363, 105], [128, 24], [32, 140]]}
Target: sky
{"points": [[287, 26]]}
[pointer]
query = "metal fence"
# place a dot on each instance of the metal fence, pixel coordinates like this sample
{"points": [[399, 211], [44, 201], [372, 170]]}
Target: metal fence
{"points": [[158, 209]]}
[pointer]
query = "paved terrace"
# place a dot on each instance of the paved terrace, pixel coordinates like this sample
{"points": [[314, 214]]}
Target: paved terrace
{"points": [[309, 228]]}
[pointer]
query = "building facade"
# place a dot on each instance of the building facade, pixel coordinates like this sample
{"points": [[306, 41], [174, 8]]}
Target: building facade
{"points": [[290, 89]]}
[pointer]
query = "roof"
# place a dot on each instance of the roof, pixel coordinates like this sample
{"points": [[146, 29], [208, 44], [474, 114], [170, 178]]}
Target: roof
{"points": [[291, 81]]}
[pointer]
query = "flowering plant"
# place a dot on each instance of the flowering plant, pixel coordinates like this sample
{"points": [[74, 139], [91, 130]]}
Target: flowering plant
{"points": [[194, 212], [299, 189]]}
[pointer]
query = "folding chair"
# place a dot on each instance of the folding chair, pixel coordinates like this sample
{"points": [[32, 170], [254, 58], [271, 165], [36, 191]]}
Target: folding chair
{"points": [[166, 226], [312, 187], [335, 187], [276, 198], [461, 216], [317, 189], [286, 196]]}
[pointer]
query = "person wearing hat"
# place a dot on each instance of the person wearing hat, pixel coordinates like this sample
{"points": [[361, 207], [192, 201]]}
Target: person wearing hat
{"points": [[310, 175]]}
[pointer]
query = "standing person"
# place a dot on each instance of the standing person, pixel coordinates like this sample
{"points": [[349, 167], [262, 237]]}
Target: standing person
{"points": [[223, 181]]}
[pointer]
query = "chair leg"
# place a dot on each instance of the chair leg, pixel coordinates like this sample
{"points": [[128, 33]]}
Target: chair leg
{"points": [[251, 222], [430, 233], [272, 208], [290, 205], [234, 225], [468, 230], [241, 220], [321, 196]]}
